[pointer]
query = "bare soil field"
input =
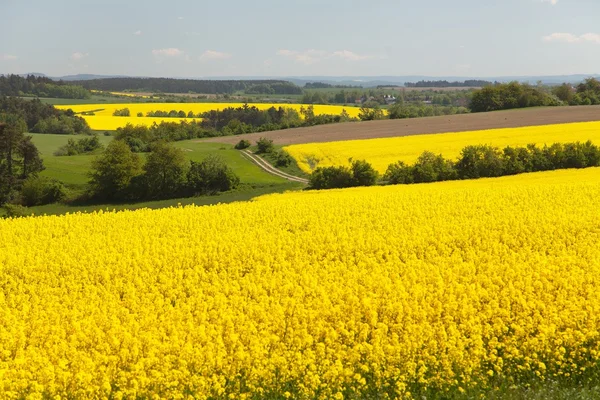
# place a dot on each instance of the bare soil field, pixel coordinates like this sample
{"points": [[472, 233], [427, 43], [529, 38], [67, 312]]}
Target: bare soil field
{"points": [[418, 126]]}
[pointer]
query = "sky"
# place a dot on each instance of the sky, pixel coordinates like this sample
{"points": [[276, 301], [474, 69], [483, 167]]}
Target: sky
{"points": [[200, 38]]}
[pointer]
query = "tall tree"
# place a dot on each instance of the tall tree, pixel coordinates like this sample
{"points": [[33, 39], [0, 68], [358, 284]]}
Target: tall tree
{"points": [[164, 171], [19, 158], [113, 171]]}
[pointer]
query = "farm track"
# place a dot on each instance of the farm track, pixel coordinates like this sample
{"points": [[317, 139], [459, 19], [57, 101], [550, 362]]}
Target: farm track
{"points": [[263, 164], [419, 126]]}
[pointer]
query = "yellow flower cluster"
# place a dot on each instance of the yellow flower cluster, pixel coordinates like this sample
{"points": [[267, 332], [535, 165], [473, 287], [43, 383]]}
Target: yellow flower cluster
{"points": [[381, 292], [383, 152], [104, 120]]}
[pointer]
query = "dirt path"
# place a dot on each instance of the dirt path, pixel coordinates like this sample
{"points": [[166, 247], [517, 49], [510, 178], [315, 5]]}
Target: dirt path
{"points": [[270, 169], [417, 126]]}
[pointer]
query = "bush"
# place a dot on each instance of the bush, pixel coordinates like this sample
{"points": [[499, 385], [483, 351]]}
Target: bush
{"points": [[81, 146], [123, 112], [283, 159], [432, 168], [330, 178], [265, 146], [399, 173], [363, 174], [16, 211], [243, 144], [37, 191], [479, 162], [210, 176]]}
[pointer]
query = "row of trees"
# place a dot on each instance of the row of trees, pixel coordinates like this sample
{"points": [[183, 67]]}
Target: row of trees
{"points": [[474, 162], [168, 85], [229, 121], [43, 118], [446, 84], [484, 161], [586, 93], [118, 174], [507, 96], [16, 85]]}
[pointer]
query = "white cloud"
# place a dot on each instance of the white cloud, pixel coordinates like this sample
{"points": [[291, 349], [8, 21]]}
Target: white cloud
{"points": [[214, 55], [349, 55], [572, 38], [312, 56], [553, 2], [137, 33], [8, 57], [169, 52], [591, 37], [307, 57], [180, 18], [78, 56]]}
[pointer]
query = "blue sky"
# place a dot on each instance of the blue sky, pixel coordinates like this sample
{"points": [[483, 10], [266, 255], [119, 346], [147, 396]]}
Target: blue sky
{"points": [[185, 38]]}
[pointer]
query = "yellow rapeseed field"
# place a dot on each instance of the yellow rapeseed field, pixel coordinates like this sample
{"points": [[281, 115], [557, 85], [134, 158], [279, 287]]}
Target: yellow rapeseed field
{"points": [[108, 122], [381, 292], [382, 152]]}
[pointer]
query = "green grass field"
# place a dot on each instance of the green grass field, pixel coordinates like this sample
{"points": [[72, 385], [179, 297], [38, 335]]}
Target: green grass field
{"points": [[73, 172]]}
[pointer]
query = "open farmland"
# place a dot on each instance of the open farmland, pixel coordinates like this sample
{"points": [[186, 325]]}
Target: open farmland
{"points": [[103, 118], [415, 291], [382, 152], [418, 126]]}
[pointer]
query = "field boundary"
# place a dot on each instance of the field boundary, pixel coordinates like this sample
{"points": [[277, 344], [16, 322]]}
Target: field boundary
{"points": [[524, 117], [264, 165]]}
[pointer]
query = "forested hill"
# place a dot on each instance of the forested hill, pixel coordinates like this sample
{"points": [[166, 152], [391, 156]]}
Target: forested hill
{"points": [[167, 85], [446, 84], [39, 86]]}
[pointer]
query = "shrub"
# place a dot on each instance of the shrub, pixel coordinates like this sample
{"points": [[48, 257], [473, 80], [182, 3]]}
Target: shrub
{"points": [[16, 211], [363, 174], [265, 146], [330, 178], [123, 112], [38, 191], [432, 168], [283, 159], [243, 144], [479, 161], [399, 173], [210, 176]]}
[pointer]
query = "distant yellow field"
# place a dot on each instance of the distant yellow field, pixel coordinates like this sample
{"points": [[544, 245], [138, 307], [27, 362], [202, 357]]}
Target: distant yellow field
{"points": [[382, 152], [107, 110]]}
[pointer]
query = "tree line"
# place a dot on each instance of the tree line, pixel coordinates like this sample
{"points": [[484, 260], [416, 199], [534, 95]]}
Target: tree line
{"points": [[512, 95], [446, 84], [16, 85], [43, 118], [226, 122], [169, 85], [479, 161], [119, 174]]}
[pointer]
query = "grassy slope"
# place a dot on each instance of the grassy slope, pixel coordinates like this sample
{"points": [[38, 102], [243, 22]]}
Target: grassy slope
{"points": [[73, 172]]}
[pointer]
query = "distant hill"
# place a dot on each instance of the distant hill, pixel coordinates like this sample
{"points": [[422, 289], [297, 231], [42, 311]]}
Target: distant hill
{"points": [[364, 81]]}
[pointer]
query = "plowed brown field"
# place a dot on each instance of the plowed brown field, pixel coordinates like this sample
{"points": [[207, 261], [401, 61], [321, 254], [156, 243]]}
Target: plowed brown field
{"points": [[416, 126]]}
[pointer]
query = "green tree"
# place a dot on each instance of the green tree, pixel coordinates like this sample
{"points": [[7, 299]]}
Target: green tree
{"points": [[164, 171], [19, 158], [112, 171], [363, 174], [210, 176], [265, 145]]}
